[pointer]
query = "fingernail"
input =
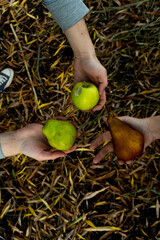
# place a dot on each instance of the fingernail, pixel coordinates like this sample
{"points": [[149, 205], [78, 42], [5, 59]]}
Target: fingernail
{"points": [[95, 162], [102, 92]]}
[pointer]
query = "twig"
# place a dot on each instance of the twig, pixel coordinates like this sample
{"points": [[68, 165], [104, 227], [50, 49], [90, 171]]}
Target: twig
{"points": [[26, 66], [108, 9], [38, 60]]}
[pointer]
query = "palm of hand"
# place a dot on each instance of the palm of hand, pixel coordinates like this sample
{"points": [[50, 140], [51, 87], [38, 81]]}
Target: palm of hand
{"points": [[33, 143], [90, 69], [138, 124]]}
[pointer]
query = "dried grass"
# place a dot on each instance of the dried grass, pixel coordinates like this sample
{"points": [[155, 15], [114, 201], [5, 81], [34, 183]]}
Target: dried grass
{"points": [[71, 198]]}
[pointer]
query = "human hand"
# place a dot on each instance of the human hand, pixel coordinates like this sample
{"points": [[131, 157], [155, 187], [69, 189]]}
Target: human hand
{"points": [[142, 125], [33, 143], [90, 69]]}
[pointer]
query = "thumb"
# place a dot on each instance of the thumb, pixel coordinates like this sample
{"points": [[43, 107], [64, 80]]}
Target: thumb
{"points": [[102, 77], [47, 155]]}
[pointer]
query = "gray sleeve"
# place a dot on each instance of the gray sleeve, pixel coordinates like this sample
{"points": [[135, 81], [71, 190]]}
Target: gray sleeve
{"points": [[67, 12], [1, 153]]}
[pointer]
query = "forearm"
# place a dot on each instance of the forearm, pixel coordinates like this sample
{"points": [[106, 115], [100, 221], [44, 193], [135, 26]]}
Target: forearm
{"points": [[80, 40], [154, 126], [8, 143], [69, 15]]}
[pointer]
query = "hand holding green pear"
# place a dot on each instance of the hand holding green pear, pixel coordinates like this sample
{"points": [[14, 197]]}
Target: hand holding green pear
{"points": [[60, 134]]}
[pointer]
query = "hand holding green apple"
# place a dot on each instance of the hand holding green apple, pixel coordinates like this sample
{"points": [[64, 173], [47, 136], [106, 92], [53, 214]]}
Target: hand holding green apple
{"points": [[89, 69], [85, 95]]}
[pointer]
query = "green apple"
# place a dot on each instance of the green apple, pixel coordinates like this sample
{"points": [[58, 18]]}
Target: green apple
{"points": [[60, 134], [85, 95]]}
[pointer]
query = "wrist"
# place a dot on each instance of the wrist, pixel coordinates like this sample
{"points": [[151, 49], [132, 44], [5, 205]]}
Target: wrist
{"points": [[82, 55], [84, 58], [153, 124], [9, 144], [80, 40]]}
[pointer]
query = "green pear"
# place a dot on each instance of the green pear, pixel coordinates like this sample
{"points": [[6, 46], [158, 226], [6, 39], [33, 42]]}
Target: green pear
{"points": [[60, 134], [128, 143]]}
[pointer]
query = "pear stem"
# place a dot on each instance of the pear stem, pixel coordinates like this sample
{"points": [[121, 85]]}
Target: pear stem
{"points": [[109, 111]]}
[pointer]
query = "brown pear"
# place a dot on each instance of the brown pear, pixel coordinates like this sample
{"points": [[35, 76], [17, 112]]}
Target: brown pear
{"points": [[128, 143]]}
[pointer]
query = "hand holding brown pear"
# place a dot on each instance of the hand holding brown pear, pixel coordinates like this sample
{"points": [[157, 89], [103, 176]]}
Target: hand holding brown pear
{"points": [[128, 143]]}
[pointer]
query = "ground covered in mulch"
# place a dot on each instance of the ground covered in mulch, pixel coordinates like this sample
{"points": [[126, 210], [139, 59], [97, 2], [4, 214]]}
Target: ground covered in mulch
{"points": [[71, 198]]}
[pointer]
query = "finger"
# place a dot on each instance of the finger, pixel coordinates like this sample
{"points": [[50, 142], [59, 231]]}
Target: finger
{"points": [[102, 81], [101, 102], [104, 119], [75, 124], [121, 162], [78, 134], [102, 87], [101, 139], [72, 149], [103, 152], [129, 162], [48, 155]]}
